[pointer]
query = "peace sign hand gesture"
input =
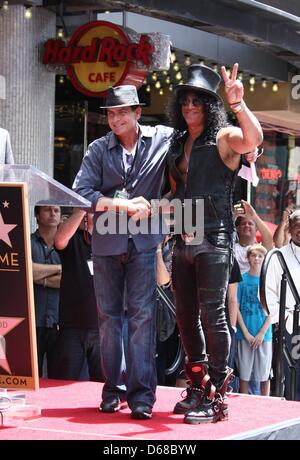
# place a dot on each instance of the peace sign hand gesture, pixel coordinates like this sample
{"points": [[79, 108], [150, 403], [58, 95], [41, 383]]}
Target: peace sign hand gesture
{"points": [[234, 88]]}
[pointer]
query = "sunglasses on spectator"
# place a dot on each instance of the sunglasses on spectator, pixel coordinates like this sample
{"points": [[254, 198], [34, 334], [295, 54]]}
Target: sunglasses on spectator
{"points": [[185, 100]]}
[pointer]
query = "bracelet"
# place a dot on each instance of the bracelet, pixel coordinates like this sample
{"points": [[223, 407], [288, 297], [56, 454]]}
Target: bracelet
{"points": [[236, 103], [237, 108]]}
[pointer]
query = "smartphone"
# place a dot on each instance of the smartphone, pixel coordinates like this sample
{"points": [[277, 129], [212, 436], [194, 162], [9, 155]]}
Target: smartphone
{"points": [[239, 207]]}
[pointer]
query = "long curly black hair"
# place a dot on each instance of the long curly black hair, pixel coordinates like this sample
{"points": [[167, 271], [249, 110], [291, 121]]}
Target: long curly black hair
{"points": [[216, 117]]}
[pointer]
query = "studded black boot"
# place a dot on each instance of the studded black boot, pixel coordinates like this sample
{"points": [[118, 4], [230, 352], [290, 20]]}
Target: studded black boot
{"points": [[197, 375], [213, 406]]}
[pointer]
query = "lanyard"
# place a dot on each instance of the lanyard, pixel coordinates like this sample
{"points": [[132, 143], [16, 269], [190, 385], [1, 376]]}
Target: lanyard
{"points": [[127, 174]]}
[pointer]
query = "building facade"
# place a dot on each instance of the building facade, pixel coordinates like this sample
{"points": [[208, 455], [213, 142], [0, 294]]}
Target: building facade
{"points": [[51, 122]]}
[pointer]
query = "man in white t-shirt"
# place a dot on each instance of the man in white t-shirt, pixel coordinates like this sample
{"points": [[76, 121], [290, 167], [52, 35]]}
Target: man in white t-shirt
{"points": [[291, 254]]}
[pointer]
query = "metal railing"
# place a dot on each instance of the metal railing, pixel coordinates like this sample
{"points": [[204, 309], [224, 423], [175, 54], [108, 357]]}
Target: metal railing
{"points": [[280, 348]]}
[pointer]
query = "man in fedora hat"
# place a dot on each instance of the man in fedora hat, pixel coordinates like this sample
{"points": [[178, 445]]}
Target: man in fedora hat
{"points": [[204, 159], [121, 172]]}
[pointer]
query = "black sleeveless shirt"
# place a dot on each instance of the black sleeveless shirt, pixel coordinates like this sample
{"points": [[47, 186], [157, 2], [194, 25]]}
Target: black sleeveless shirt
{"points": [[208, 178]]}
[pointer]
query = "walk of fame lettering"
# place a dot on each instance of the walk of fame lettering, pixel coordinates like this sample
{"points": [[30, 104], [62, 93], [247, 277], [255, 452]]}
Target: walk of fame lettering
{"points": [[9, 260]]}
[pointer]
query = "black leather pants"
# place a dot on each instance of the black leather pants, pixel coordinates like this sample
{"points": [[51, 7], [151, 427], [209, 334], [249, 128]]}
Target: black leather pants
{"points": [[200, 283]]}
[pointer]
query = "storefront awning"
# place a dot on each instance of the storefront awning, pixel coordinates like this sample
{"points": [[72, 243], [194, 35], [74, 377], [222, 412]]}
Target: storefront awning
{"points": [[283, 121]]}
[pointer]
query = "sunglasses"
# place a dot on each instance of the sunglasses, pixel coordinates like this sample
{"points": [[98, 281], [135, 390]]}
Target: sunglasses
{"points": [[185, 101]]}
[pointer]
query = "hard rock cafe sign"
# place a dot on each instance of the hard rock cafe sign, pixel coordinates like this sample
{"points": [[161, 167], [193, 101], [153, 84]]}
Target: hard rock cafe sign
{"points": [[100, 54]]}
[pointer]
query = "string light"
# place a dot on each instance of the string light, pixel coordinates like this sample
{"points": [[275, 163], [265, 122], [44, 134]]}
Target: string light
{"points": [[176, 66], [264, 83], [251, 89], [178, 76], [157, 84], [240, 76], [27, 12], [215, 67], [148, 88], [161, 92], [173, 56], [168, 79], [275, 86], [154, 76], [228, 72], [252, 80], [5, 6], [61, 79], [60, 33], [201, 62], [187, 60], [171, 87]]}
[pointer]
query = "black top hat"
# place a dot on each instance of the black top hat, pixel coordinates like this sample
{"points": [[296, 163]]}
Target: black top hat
{"points": [[121, 96], [201, 78]]}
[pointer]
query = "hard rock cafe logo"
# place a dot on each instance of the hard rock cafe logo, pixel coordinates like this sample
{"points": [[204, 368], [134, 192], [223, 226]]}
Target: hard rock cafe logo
{"points": [[100, 55]]}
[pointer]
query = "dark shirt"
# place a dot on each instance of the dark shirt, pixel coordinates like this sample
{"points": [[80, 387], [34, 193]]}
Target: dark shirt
{"points": [[46, 299], [77, 306], [235, 274], [208, 179], [102, 174]]}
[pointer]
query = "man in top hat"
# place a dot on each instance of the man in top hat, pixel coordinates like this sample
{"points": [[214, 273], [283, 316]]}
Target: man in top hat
{"points": [[120, 173], [204, 159]]}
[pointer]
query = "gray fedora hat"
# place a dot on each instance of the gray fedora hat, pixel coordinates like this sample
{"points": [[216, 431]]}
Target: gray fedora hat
{"points": [[203, 79], [121, 96]]}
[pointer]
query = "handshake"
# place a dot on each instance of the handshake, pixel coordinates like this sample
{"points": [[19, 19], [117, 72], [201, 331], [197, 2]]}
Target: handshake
{"points": [[139, 208]]}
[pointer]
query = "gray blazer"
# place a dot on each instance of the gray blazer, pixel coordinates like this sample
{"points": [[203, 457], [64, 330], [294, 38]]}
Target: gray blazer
{"points": [[6, 155]]}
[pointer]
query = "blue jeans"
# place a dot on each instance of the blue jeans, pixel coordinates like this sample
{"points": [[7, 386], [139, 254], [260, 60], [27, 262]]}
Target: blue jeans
{"points": [[46, 346], [136, 381], [78, 349]]}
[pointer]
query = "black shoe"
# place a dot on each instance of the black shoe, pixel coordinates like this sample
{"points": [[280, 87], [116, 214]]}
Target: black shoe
{"points": [[208, 411], [111, 404], [192, 399], [141, 411]]}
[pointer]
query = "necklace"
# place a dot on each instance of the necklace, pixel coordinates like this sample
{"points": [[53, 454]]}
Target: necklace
{"points": [[293, 251]]}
